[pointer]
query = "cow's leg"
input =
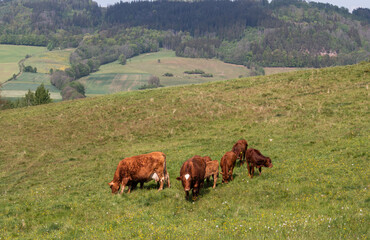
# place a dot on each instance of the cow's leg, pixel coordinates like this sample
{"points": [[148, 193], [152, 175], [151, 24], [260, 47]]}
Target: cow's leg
{"points": [[168, 180], [214, 180], [231, 174], [195, 193], [260, 169], [129, 189], [141, 185], [161, 184], [187, 195], [122, 188], [252, 171]]}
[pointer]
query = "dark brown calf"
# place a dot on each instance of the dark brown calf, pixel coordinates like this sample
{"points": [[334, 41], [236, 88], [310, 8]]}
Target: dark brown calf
{"points": [[239, 148], [192, 175], [256, 159], [227, 166]]}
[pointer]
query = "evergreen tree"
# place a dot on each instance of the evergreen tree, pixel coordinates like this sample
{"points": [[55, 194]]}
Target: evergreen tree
{"points": [[42, 95]]}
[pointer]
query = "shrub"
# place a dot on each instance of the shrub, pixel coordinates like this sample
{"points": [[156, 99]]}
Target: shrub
{"points": [[196, 71], [168, 74], [207, 75]]}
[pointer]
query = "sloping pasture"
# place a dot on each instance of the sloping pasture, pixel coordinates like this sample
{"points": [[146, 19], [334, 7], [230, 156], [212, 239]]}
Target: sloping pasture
{"points": [[10, 55], [44, 61], [56, 161]]}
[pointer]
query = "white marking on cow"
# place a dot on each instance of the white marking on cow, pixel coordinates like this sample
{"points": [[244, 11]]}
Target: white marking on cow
{"points": [[155, 177], [187, 176]]}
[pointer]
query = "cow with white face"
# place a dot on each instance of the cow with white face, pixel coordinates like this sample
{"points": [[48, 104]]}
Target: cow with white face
{"points": [[192, 175]]}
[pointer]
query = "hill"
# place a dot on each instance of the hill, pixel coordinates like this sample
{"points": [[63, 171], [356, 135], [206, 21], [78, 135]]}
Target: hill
{"points": [[114, 77], [57, 159]]}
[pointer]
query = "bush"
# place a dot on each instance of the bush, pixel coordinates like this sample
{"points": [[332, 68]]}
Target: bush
{"points": [[30, 69], [207, 75], [154, 80], [168, 74], [78, 86], [122, 59], [196, 71]]}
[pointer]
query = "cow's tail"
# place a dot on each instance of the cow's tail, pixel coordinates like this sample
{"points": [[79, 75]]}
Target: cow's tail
{"points": [[165, 172]]}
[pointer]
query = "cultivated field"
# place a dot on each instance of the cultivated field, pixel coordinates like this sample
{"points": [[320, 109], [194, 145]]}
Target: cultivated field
{"points": [[56, 161], [10, 55], [44, 61], [114, 77], [19, 87]]}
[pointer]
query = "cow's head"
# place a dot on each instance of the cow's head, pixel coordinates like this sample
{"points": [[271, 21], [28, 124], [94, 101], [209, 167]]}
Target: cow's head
{"points": [[114, 186], [186, 181], [268, 163]]}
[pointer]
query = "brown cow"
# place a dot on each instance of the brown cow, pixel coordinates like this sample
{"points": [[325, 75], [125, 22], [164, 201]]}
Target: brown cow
{"points": [[256, 159], [227, 166], [211, 170], [140, 169], [192, 175], [239, 148]]}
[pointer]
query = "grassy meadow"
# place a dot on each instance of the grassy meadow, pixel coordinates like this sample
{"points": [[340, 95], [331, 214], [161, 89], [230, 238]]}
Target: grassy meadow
{"points": [[115, 77], [44, 61], [56, 161], [10, 55]]}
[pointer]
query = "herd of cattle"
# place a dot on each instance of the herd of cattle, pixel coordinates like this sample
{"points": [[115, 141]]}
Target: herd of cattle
{"points": [[152, 166]]}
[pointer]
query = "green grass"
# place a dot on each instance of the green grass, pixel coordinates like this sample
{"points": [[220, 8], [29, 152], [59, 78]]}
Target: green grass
{"points": [[10, 55], [19, 87], [112, 77], [44, 61], [57, 159]]}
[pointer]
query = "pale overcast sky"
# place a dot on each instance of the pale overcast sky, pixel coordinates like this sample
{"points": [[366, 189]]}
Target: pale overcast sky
{"points": [[350, 4]]}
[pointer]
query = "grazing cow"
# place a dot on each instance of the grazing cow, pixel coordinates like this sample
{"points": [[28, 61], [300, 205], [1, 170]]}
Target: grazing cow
{"points": [[211, 170], [192, 175], [256, 159], [239, 148], [227, 166], [140, 169]]}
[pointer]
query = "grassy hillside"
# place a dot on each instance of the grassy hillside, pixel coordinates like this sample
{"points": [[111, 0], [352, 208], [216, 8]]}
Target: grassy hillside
{"points": [[115, 77], [57, 59], [57, 159], [10, 55]]}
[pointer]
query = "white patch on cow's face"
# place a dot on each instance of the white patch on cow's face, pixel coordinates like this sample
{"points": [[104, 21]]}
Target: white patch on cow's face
{"points": [[187, 176], [155, 177]]}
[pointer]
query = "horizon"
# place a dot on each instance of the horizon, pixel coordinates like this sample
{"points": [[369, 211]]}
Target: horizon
{"points": [[350, 5]]}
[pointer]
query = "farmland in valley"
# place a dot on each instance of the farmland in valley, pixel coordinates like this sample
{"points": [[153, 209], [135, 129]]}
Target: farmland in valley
{"points": [[115, 77], [19, 87]]}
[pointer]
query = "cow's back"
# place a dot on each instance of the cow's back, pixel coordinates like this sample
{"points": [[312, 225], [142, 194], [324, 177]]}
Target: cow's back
{"points": [[141, 167]]}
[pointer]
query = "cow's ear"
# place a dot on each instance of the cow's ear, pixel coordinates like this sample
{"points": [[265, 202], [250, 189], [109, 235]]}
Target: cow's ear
{"points": [[111, 183], [178, 178]]}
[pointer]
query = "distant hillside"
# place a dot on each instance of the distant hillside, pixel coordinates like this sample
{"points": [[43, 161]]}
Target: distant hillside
{"points": [[253, 33], [56, 161]]}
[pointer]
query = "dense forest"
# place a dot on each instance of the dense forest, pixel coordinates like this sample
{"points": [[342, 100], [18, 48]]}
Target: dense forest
{"points": [[284, 33]]}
